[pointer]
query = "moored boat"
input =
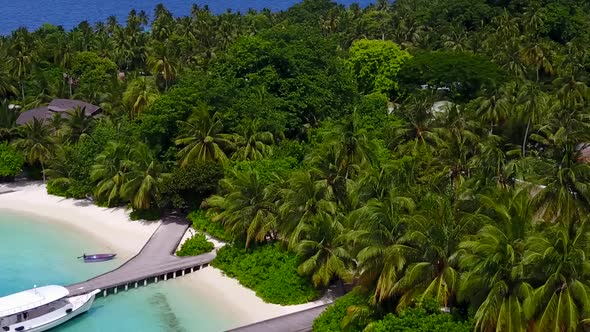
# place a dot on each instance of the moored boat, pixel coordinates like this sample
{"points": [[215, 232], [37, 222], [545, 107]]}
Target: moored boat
{"points": [[98, 257], [40, 309]]}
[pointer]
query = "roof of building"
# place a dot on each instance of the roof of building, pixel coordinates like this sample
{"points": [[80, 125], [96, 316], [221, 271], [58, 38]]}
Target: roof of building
{"points": [[29, 299], [40, 113], [64, 105], [57, 106]]}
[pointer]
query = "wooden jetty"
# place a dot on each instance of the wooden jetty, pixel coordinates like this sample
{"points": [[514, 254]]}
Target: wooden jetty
{"points": [[301, 321], [155, 262]]}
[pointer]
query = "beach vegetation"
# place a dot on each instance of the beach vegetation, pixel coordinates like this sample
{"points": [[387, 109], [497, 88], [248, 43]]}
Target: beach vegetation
{"points": [[425, 317], [186, 187], [269, 271], [194, 246], [11, 161], [332, 319], [203, 223]]}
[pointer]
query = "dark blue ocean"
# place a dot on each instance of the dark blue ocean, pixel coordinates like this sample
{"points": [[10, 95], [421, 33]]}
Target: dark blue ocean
{"points": [[68, 13]]}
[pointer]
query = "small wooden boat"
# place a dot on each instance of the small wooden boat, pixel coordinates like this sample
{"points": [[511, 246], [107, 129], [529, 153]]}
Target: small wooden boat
{"points": [[98, 257]]}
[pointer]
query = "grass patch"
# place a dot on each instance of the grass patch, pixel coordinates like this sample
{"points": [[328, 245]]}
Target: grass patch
{"points": [[269, 271]]}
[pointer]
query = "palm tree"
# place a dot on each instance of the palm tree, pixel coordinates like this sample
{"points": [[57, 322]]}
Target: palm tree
{"points": [[327, 170], [203, 139], [22, 56], [7, 84], [454, 148], [162, 63], [493, 109], [36, 143], [325, 252], [163, 24], [143, 182], [532, 102], [495, 281], [417, 111], [352, 142], [564, 180], [377, 231], [302, 200], [140, 94], [109, 170], [248, 211], [571, 93], [433, 271], [78, 124], [8, 128], [252, 144], [540, 56], [496, 162], [558, 261], [60, 166]]}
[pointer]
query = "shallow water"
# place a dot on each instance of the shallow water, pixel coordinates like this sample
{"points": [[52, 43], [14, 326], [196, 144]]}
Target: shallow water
{"points": [[68, 13], [34, 252]]}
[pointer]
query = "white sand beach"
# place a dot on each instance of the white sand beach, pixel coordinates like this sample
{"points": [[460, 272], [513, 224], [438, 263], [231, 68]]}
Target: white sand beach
{"points": [[114, 228], [109, 226], [246, 307]]}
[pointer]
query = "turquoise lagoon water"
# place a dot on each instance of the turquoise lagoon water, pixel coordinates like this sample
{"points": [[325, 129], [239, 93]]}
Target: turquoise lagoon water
{"points": [[34, 252]]}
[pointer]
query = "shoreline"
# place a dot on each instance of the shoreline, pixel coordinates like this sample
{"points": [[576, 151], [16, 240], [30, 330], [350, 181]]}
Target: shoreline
{"points": [[109, 226], [113, 228]]}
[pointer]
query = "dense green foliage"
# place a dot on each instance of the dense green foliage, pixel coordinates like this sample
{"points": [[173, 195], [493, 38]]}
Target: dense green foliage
{"points": [[11, 161], [202, 222], [269, 271], [188, 186], [331, 319], [375, 64], [195, 246], [419, 320], [411, 150], [464, 74]]}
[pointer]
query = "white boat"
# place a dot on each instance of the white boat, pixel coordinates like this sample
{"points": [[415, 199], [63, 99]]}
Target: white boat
{"points": [[41, 308]]}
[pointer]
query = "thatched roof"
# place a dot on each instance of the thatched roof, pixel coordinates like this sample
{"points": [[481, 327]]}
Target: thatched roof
{"points": [[41, 113], [64, 105], [57, 106]]}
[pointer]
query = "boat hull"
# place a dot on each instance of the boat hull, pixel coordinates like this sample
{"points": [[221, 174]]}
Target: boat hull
{"points": [[98, 258], [80, 304]]}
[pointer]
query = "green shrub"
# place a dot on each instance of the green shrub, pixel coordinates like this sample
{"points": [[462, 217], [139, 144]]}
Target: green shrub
{"points": [[268, 169], [424, 318], [331, 319], [269, 271], [150, 215], [196, 245], [57, 188], [79, 190], [11, 161], [68, 188], [203, 223], [187, 186]]}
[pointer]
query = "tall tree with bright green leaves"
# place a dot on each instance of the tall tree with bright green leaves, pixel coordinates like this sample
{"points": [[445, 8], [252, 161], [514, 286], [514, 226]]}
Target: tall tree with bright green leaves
{"points": [[375, 64]]}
